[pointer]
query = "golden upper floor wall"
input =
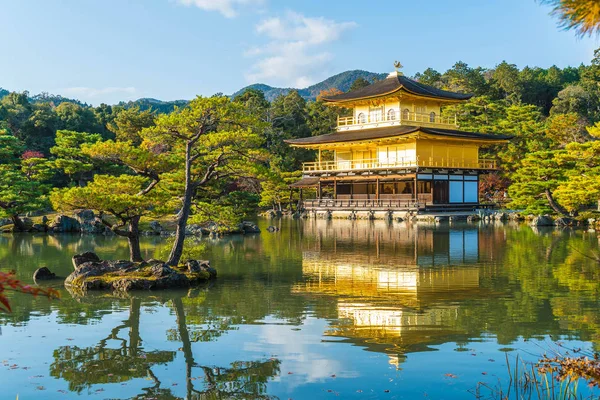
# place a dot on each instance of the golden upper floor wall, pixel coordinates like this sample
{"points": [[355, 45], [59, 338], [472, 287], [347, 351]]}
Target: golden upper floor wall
{"points": [[442, 152]]}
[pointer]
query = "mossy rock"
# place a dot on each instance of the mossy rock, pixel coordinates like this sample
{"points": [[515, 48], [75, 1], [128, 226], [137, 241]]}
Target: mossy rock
{"points": [[126, 275]]}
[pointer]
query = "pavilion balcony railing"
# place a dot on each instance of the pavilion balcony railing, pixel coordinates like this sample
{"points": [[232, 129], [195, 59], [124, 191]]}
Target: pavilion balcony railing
{"points": [[387, 164], [390, 119]]}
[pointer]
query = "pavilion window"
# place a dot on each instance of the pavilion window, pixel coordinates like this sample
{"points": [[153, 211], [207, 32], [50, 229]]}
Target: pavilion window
{"points": [[391, 114], [432, 117], [361, 118], [405, 113], [375, 114]]}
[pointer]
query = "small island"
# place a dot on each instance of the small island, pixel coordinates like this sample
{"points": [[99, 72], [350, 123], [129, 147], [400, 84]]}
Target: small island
{"points": [[91, 273]]}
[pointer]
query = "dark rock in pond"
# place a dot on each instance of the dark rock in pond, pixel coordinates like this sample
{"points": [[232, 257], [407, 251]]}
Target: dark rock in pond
{"points": [[88, 256], [543, 220], [473, 218], [39, 228], [25, 226], [45, 220], [564, 221], [43, 274], [5, 221], [156, 228], [199, 266], [273, 214], [273, 229], [62, 223], [196, 230], [126, 275], [249, 227], [88, 222], [501, 216]]}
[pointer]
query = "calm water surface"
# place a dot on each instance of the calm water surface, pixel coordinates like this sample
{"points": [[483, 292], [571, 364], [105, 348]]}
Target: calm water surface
{"points": [[318, 310]]}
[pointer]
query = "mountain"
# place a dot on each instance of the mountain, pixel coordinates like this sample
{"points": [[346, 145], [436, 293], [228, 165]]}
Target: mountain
{"points": [[154, 104], [46, 98], [340, 81]]}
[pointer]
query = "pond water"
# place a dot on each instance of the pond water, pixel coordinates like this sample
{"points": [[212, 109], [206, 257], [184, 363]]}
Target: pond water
{"points": [[320, 309]]}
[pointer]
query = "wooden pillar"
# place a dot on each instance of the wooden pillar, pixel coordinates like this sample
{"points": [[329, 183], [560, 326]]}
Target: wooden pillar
{"points": [[377, 189], [319, 157], [335, 188], [320, 191], [415, 190]]}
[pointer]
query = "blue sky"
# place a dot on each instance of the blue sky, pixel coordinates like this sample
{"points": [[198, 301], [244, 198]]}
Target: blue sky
{"points": [[111, 50]]}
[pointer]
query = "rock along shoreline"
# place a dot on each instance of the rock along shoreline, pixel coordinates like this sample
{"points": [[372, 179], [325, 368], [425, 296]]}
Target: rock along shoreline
{"points": [[87, 222]]}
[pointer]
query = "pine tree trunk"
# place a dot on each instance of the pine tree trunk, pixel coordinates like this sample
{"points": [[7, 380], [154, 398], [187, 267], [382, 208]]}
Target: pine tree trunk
{"points": [[555, 206], [184, 336], [184, 213], [134, 326], [133, 237]]}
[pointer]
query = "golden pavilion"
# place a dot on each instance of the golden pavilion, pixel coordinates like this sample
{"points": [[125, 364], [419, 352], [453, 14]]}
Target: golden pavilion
{"points": [[397, 151]]}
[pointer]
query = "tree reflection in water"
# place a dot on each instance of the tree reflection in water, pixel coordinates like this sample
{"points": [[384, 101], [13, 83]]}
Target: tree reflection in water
{"points": [[104, 364]]}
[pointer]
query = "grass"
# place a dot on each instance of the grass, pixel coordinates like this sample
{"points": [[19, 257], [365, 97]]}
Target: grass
{"points": [[556, 378]]}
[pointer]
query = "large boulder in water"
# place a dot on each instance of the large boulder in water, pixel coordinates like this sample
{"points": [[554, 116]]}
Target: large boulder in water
{"points": [[542, 220], [249, 227], [564, 221], [43, 274], [126, 275], [156, 228], [88, 256], [88, 223], [62, 223]]}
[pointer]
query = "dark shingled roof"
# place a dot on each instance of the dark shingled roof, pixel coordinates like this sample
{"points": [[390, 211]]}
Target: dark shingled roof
{"points": [[381, 133], [306, 182], [394, 83]]}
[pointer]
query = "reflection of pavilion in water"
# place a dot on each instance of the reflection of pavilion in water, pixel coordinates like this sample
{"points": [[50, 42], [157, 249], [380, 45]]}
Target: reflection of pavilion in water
{"points": [[397, 290]]}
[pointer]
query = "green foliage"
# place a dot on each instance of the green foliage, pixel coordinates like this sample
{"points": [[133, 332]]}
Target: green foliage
{"points": [[73, 117], [22, 186], [538, 172], [129, 122], [276, 191], [358, 83], [571, 177], [69, 156], [581, 187], [117, 195]]}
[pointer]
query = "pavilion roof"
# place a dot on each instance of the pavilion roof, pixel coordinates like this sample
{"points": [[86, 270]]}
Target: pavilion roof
{"points": [[393, 131], [394, 83]]}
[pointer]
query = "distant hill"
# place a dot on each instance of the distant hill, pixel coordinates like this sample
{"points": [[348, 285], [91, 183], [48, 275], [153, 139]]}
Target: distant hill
{"points": [[46, 98], [340, 81], [154, 104]]}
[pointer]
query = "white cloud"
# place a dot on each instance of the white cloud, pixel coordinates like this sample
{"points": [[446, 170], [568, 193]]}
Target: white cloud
{"points": [[296, 49], [228, 8]]}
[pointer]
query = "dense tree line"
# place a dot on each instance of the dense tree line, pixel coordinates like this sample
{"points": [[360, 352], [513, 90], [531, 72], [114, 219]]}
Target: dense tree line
{"points": [[553, 113], [549, 111]]}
